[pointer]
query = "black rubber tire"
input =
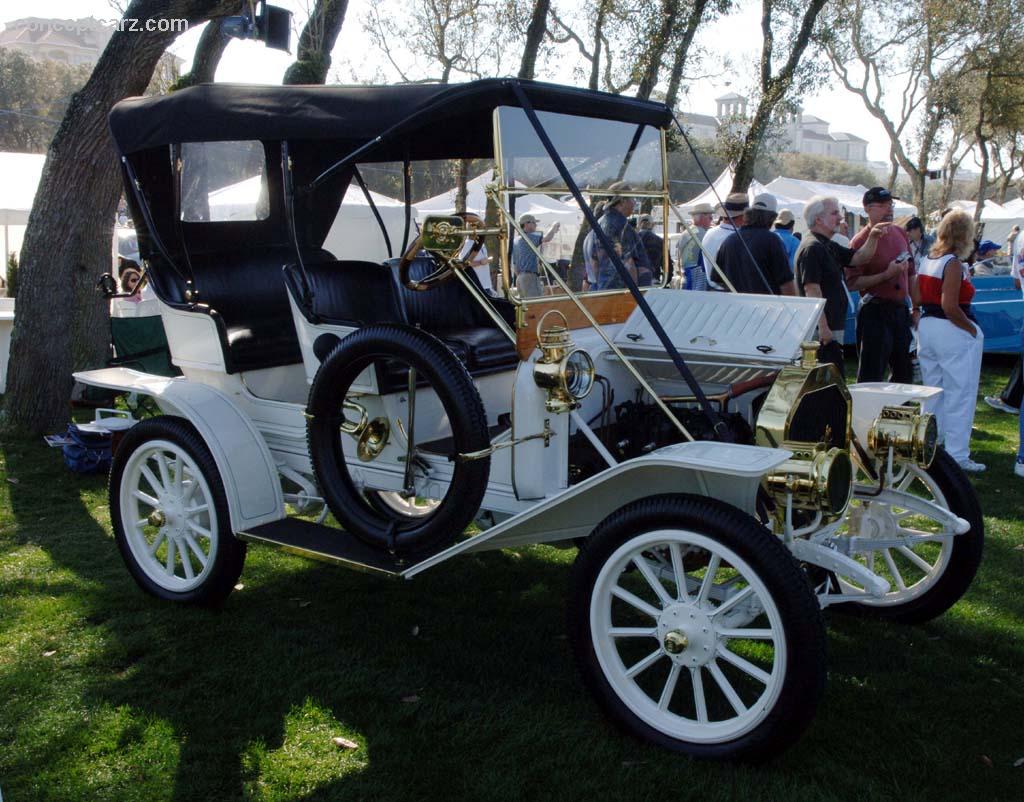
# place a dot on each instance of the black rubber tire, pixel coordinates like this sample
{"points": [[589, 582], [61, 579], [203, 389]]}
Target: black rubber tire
{"points": [[963, 562], [373, 523], [802, 623], [230, 554]]}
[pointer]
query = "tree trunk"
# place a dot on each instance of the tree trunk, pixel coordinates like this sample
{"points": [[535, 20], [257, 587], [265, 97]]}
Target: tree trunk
{"points": [[743, 171], [595, 64], [211, 47], [534, 38], [682, 51], [982, 142], [461, 185], [773, 88], [1004, 187], [62, 322], [313, 56], [655, 50]]}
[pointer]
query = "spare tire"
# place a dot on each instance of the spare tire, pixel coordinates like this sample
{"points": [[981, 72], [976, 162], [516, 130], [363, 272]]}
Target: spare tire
{"points": [[388, 347]]}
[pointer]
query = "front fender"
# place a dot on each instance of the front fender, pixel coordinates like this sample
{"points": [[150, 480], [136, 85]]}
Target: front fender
{"points": [[729, 472], [245, 464], [870, 397]]}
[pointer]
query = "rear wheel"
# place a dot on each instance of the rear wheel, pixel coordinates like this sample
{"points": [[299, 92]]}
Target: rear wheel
{"points": [[696, 630], [170, 514]]}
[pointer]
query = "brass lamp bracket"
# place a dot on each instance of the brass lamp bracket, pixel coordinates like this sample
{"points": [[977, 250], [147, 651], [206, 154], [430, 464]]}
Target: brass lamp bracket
{"points": [[544, 435]]}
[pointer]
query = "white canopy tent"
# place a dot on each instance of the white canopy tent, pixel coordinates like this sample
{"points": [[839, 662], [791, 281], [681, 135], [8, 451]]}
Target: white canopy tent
{"points": [[20, 174], [850, 197], [547, 209], [793, 194], [998, 220], [347, 237]]}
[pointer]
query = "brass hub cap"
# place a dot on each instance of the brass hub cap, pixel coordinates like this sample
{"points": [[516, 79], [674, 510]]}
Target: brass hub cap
{"points": [[687, 634], [157, 518]]}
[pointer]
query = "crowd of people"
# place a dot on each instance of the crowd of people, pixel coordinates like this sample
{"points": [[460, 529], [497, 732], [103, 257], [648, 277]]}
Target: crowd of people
{"points": [[908, 280]]}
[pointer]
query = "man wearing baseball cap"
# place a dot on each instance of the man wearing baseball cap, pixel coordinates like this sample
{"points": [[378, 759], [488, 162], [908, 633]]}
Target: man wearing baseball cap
{"points": [[524, 260], [754, 259], [886, 283]]}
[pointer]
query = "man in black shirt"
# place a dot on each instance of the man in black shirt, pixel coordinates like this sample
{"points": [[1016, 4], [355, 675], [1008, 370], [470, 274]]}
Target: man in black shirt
{"points": [[654, 247], [819, 272], [753, 258]]}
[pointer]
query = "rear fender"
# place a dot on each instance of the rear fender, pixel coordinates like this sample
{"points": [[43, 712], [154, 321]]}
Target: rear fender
{"points": [[245, 464]]}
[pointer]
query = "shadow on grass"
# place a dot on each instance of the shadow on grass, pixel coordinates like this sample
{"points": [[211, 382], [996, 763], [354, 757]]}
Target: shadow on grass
{"points": [[459, 684]]}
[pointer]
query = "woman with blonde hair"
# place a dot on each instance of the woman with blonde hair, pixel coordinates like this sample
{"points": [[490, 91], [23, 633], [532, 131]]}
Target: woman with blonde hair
{"points": [[950, 342]]}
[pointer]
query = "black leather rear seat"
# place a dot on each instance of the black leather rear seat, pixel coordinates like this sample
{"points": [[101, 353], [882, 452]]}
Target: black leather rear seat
{"points": [[357, 294], [245, 292]]}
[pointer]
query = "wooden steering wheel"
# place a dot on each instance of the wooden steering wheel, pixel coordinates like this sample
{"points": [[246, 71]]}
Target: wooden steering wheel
{"points": [[445, 267]]}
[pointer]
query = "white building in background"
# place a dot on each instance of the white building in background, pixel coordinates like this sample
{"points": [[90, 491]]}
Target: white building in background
{"points": [[72, 42], [75, 42], [803, 133]]}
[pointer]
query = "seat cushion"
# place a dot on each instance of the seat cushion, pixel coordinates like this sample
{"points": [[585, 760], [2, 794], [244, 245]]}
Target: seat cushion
{"points": [[486, 350], [346, 293]]}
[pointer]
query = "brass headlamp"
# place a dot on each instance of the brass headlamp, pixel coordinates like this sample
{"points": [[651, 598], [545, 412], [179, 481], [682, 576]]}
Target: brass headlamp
{"points": [[911, 434], [567, 373], [816, 477]]}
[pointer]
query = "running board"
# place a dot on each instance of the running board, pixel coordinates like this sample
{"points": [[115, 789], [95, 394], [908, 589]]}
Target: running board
{"points": [[319, 542]]}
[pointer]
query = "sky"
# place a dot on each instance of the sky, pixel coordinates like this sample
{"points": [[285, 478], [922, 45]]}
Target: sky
{"points": [[251, 62]]}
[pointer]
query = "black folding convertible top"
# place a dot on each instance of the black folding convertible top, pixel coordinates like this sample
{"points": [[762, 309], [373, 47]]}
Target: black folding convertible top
{"points": [[350, 114]]}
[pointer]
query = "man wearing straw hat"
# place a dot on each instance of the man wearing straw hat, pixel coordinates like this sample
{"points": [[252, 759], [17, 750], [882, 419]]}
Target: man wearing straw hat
{"points": [[688, 252]]}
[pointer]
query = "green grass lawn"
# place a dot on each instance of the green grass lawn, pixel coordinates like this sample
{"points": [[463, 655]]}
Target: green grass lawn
{"points": [[458, 685]]}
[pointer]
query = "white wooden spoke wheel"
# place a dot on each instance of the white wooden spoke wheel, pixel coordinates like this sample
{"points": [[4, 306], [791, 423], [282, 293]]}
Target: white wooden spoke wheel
{"points": [[700, 632], [170, 522], [170, 514], [688, 636], [906, 536], [414, 507]]}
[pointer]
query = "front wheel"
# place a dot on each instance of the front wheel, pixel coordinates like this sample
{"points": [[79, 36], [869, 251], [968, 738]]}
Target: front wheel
{"points": [[696, 630], [933, 567], [170, 514]]}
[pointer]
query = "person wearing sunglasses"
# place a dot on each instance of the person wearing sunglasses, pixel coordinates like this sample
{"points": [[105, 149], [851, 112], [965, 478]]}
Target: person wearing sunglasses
{"points": [[886, 283]]}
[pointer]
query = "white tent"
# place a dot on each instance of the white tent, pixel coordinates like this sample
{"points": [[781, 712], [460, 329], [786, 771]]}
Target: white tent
{"points": [[793, 194], [348, 237], [850, 197], [547, 209], [19, 177], [997, 220]]}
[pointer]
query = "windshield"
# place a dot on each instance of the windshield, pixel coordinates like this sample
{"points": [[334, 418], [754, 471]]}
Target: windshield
{"points": [[620, 169], [597, 153]]}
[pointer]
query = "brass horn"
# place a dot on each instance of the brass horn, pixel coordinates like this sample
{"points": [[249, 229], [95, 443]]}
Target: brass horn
{"points": [[371, 435]]}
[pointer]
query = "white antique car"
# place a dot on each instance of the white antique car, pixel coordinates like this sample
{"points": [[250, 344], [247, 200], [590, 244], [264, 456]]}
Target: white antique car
{"points": [[722, 487]]}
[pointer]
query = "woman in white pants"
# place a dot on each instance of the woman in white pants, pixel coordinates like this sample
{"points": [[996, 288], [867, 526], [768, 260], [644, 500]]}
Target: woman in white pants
{"points": [[950, 343]]}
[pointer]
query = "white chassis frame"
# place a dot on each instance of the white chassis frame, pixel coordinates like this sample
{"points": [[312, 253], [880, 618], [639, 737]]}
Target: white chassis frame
{"points": [[253, 425]]}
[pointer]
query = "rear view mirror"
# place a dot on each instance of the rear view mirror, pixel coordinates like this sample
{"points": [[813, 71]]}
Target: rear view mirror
{"points": [[272, 25], [107, 285]]}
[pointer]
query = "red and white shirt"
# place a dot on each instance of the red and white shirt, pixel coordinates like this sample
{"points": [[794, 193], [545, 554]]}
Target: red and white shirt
{"points": [[929, 281]]}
